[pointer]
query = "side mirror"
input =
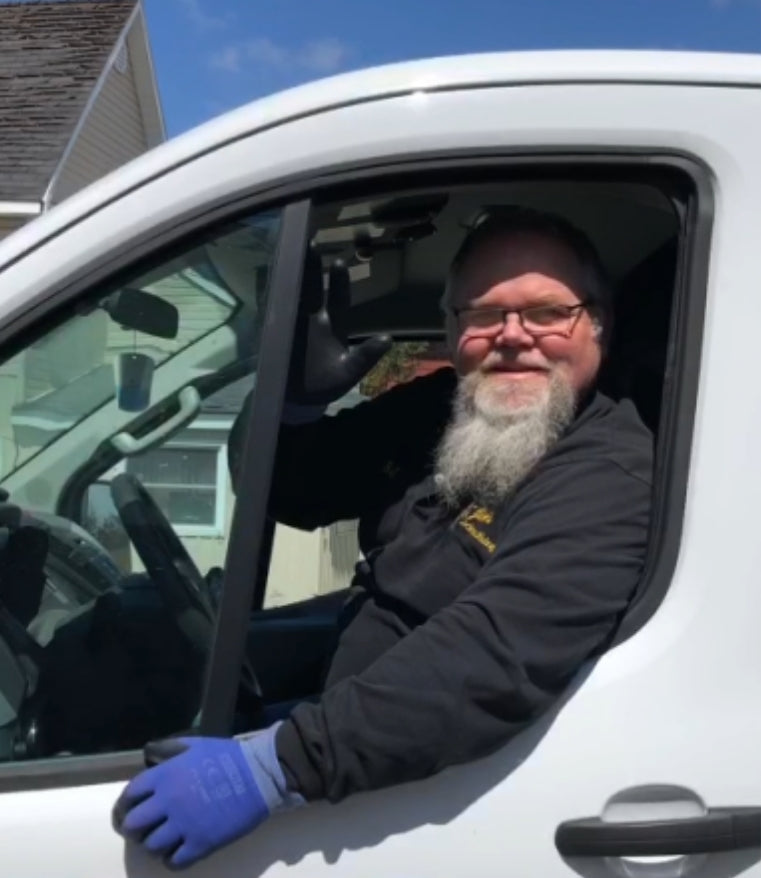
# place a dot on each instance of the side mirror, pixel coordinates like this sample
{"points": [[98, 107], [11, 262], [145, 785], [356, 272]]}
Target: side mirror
{"points": [[143, 312]]}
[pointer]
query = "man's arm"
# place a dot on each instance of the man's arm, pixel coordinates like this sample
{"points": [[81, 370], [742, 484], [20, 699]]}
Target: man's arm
{"points": [[476, 673], [341, 466]]}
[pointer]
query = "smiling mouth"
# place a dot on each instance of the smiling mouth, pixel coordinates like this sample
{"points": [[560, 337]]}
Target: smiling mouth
{"points": [[517, 370]]}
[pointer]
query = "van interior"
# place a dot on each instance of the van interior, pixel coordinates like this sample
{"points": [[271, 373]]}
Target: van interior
{"points": [[95, 655]]}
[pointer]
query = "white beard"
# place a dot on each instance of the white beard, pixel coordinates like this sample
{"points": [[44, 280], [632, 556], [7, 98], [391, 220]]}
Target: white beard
{"points": [[492, 443]]}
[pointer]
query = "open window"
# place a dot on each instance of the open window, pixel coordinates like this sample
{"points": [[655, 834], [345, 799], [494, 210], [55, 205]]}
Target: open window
{"points": [[141, 384], [397, 244]]}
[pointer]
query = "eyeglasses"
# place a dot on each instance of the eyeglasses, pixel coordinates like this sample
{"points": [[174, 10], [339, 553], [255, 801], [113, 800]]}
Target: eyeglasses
{"points": [[537, 320]]}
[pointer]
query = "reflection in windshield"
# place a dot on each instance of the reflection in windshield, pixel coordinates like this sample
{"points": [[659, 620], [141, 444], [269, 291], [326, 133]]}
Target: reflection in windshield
{"points": [[51, 386], [71, 372]]}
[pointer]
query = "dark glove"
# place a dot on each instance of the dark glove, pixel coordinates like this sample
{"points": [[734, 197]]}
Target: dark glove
{"points": [[22, 564], [323, 366], [206, 793]]}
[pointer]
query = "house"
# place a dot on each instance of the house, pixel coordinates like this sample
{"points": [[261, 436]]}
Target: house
{"points": [[78, 98]]}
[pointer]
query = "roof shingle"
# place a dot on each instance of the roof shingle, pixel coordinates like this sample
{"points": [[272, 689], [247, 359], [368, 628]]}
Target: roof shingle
{"points": [[51, 54]]}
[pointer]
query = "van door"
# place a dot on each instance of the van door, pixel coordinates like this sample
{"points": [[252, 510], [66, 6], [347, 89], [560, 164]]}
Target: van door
{"points": [[663, 727]]}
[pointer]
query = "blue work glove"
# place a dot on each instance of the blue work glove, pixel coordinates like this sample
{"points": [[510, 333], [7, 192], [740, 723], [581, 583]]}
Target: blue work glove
{"points": [[208, 792]]}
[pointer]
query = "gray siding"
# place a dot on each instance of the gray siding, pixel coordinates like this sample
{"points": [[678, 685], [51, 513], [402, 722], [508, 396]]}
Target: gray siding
{"points": [[145, 82], [113, 133]]}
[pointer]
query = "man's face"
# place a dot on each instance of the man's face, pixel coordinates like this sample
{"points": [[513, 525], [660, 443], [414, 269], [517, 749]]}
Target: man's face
{"points": [[515, 366]]}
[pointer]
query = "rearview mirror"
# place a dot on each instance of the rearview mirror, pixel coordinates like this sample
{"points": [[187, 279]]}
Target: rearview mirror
{"points": [[143, 312]]}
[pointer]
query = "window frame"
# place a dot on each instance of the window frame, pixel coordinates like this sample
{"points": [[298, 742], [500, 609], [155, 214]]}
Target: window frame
{"points": [[294, 195]]}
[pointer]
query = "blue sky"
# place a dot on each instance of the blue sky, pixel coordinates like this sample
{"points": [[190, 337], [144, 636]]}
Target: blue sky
{"points": [[213, 55]]}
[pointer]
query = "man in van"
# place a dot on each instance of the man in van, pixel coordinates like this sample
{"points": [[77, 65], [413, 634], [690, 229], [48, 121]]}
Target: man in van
{"points": [[503, 509]]}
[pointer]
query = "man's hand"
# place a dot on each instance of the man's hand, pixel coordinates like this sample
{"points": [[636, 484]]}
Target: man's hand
{"points": [[205, 794], [324, 367]]}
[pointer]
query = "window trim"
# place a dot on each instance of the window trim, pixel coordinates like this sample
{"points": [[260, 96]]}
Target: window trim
{"points": [[297, 192]]}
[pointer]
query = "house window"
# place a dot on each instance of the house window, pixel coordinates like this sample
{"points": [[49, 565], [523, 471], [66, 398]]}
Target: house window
{"points": [[188, 484]]}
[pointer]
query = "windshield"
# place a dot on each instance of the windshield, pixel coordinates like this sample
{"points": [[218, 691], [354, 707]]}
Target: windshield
{"points": [[113, 349]]}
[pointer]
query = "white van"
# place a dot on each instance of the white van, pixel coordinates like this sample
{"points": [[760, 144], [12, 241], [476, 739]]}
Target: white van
{"points": [[166, 275]]}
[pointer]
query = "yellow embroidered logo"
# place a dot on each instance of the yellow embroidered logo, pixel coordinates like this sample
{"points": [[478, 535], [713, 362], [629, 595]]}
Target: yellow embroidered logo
{"points": [[470, 520]]}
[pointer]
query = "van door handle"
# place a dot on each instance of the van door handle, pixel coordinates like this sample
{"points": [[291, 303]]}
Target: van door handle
{"points": [[720, 829]]}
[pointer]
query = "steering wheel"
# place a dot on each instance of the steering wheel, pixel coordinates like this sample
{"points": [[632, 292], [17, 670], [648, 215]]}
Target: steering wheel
{"points": [[170, 567]]}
